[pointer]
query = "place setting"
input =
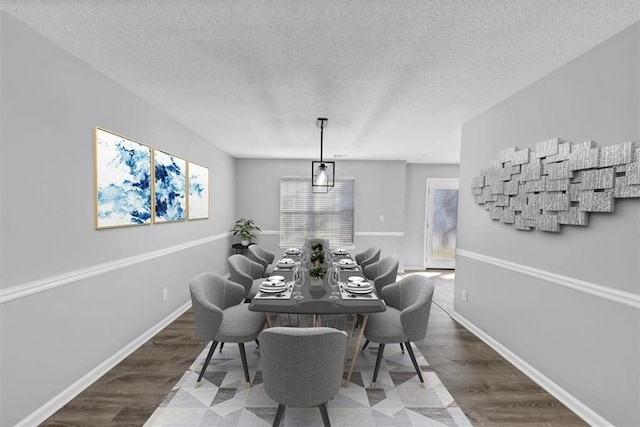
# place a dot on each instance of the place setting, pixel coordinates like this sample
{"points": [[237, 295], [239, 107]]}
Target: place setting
{"points": [[293, 251], [275, 287], [285, 263], [357, 287], [347, 264]]}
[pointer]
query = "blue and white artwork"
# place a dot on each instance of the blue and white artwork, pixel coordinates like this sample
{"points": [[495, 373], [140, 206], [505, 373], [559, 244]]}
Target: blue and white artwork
{"points": [[198, 191], [123, 181], [169, 187]]}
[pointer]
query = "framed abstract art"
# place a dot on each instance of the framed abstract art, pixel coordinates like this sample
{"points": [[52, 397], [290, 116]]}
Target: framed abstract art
{"points": [[123, 181], [170, 173], [198, 195]]}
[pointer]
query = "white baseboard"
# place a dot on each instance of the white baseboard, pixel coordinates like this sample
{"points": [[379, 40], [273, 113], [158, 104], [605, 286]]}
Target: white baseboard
{"points": [[575, 405], [62, 398]]}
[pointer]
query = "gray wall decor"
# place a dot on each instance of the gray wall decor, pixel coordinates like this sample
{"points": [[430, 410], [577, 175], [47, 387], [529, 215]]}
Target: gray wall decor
{"points": [[558, 183]]}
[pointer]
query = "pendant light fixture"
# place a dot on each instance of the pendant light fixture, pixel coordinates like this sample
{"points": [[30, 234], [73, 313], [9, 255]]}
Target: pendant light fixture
{"points": [[322, 173]]}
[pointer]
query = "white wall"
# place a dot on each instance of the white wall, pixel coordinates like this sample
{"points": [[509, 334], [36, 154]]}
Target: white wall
{"points": [[566, 304], [71, 296]]}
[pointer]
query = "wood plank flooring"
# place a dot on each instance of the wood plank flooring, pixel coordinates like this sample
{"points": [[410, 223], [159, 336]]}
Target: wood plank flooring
{"points": [[489, 390]]}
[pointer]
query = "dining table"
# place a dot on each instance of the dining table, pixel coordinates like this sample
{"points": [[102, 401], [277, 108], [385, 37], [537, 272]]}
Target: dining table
{"points": [[315, 296]]}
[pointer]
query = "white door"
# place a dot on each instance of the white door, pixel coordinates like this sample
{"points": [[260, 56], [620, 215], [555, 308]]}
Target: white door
{"points": [[441, 219]]}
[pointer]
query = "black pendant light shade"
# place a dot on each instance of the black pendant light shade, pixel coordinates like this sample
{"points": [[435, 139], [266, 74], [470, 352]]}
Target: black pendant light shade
{"points": [[322, 172]]}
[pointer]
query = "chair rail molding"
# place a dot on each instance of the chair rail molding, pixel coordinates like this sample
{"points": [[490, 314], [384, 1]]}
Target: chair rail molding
{"points": [[614, 295], [47, 283], [380, 233]]}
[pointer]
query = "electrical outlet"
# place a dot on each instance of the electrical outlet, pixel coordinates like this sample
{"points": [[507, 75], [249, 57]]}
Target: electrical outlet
{"points": [[465, 296], [165, 295], [381, 218]]}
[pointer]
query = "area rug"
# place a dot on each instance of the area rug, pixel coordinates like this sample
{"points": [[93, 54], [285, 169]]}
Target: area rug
{"points": [[224, 399]]}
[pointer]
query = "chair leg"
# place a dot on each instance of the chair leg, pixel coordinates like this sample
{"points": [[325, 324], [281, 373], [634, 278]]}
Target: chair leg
{"points": [[221, 345], [325, 414], [243, 356], [257, 342], [207, 360], [377, 368], [402, 348], [366, 343], [413, 360], [279, 414]]}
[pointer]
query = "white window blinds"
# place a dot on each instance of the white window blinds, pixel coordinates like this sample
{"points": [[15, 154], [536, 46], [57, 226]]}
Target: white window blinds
{"points": [[306, 214]]}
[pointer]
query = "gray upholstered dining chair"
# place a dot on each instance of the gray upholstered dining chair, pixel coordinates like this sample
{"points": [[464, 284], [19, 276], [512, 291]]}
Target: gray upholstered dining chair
{"points": [[263, 257], [302, 366], [382, 272], [220, 315], [247, 273], [405, 319], [367, 257]]}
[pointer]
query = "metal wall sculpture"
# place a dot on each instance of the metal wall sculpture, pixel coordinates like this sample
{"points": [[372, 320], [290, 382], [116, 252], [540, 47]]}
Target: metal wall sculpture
{"points": [[558, 183]]}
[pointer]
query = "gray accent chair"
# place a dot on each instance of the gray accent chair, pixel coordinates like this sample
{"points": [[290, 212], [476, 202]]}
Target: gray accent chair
{"points": [[220, 315], [383, 272], [302, 367], [367, 257], [247, 273], [405, 319], [263, 257]]}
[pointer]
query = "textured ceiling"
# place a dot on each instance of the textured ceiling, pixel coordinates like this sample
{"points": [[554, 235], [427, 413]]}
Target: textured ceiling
{"points": [[395, 78]]}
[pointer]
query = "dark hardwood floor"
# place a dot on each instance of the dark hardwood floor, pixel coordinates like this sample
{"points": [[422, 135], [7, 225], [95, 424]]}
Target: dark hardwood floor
{"points": [[490, 391]]}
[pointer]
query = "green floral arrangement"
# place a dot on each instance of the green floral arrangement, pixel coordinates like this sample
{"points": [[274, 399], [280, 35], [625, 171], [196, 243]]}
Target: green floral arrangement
{"points": [[317, 247], [317, 272], [317, 256]]}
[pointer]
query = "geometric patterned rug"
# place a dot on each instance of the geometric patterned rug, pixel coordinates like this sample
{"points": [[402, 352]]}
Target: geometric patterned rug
{"points": [[224, 399]]}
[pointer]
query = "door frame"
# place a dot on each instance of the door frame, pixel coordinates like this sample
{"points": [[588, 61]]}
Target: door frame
{"points": [[446, 183]]}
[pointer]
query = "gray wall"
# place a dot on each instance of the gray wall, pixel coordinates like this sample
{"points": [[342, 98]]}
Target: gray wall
{"points": [[393, 189], [87, 307], [555, 317]]}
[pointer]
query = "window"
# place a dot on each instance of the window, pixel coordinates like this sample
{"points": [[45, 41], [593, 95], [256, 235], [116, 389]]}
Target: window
{"points": [[306, 214]]}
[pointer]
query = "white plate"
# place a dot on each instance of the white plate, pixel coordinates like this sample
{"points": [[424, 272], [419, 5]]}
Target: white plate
{"points": [[276, 278], [339, 251], [272, 284], [359, 285], [356, 279], [293, 251], [360, 291], [272, 290], [347, 262], [286, 261]]}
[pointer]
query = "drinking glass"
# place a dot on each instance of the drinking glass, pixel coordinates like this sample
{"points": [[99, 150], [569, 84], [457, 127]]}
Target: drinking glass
{"points": [[298, 281], [334, 282]]}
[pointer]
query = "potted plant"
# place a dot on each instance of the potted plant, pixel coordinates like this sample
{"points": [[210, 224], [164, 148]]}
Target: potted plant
{"points": [[245, 228]]}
